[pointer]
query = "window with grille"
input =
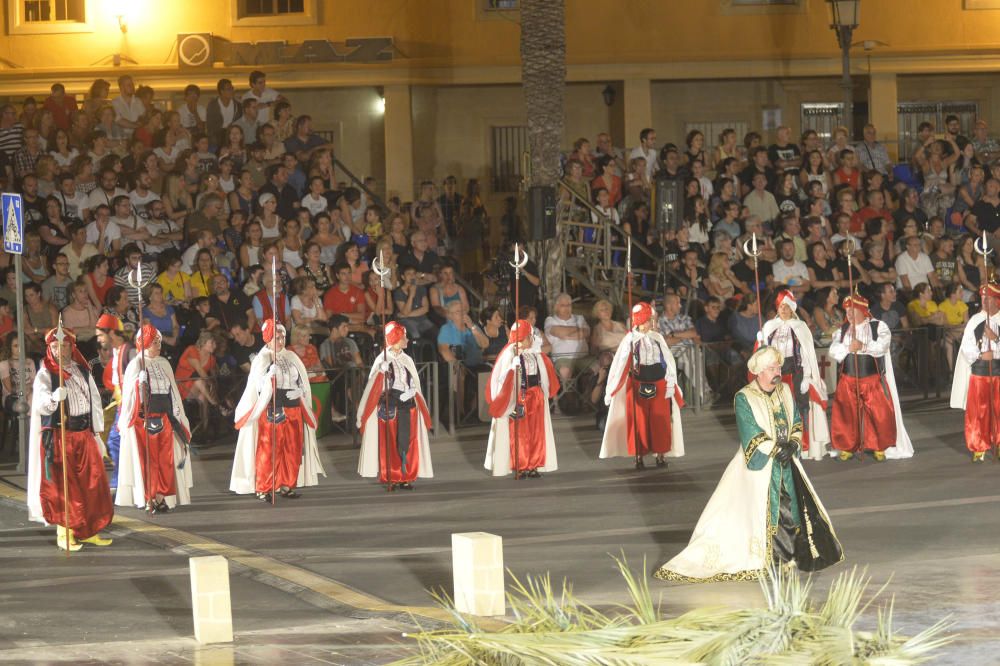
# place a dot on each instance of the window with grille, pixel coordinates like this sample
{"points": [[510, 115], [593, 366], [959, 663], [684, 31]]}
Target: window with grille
{"points": [[712, 130], [271, 7], [502, 5], [509, 145], [822, 117], [275, 12], [912, 114], [762, 6], [38, 11]]}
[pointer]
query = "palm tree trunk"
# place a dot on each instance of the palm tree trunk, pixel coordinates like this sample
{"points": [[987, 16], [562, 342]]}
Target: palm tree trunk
{"points": [[543, 74]]}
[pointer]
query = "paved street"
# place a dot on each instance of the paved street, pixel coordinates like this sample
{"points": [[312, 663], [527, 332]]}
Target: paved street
{"points": [[330, 577]]}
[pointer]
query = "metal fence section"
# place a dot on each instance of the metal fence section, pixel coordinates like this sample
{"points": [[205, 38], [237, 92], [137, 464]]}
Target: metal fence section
{"points": [[508, 143]]}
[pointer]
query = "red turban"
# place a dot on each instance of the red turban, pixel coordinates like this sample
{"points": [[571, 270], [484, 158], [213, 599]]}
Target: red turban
{"points": [[857, 302], [520, 331], [267, 330], [786, 297], [146, 337], [991, 289], [52, 363], [641, 313], [109, 322], [394, 332]]}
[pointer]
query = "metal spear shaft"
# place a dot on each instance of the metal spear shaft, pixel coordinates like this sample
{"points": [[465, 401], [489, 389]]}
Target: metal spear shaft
{"points": [[982, 248], [849, 253], [519, 262], [274, 379], [378, 265], [754, 252], [135, 281], [60, 336]]}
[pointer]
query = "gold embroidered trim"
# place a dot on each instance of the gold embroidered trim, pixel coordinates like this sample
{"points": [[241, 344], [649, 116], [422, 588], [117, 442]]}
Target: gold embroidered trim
{"points": [[753, 445], [751, 574]]}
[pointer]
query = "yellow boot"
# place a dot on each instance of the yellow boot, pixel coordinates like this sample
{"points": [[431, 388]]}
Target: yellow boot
{"points": [[979, 456], [879, 456], [97, 540], [846, 455], [74, 545]]}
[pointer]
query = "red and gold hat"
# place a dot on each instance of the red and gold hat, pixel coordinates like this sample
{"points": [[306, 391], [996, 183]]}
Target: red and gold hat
{"points": [[786, 297], [991, 289], [641, 313], [146, 337], [50, 337], [109, 322], [858, 302], [267, 330], [394, 332], [520, 331]]}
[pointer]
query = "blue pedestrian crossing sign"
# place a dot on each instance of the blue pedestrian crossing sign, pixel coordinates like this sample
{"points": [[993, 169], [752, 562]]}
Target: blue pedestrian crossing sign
{"points": [[13, 223]]}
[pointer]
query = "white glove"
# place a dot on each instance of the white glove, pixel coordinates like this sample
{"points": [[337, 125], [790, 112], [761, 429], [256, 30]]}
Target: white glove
{"points": [[59, 394], [143, 377], [383, 367], [407, 395], [294, 394], [760, 337], [804, 386], [272, 370]]}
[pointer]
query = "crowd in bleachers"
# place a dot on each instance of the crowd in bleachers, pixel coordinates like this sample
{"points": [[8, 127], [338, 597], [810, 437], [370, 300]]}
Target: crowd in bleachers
{"points": [[204, 196]]}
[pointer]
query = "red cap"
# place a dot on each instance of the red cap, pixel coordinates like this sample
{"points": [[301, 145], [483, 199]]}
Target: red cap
{"points": [[394, 332], [857, 302], [109, 322], [991, 289], [267, 330], [146, 337], [786, 297], [641, 313], [520, 331]]}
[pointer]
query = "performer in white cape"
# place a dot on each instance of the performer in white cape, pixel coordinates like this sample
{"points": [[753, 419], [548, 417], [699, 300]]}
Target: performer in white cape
{"points": [[521, 384], [400, 418], [865, 341], [162, 426], [976, 385], [644, 414], [292, 422], [90, 507], [800, 372], [764, 511]]}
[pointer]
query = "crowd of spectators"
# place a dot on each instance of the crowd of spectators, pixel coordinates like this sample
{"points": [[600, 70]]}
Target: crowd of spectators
{"points": [[204, 197]]}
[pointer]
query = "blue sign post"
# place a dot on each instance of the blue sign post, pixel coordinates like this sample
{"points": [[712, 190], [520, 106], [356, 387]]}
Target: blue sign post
{"points": [[13, 223], [13, 243]]}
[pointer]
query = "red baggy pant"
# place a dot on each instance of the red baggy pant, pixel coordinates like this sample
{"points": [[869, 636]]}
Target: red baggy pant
{"points": [[160, 478], [648, 419], [287, 451], [90, 508], [878, 418], [389, 429], [982, 414], [527, 445]]}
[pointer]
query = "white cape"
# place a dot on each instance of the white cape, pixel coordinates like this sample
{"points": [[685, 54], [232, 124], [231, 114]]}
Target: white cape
{"points": [[498, 448], [131, 485], [42, 404], [731, 541], [819, 426], [615, 442], [368, 461], [968, 352], [881, 349], [256, 396]]}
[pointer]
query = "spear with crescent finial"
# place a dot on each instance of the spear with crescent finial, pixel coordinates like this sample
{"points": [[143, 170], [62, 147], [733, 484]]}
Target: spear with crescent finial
{"points": [[60, 336], [982, 248], [518, 264], [383, 273]]}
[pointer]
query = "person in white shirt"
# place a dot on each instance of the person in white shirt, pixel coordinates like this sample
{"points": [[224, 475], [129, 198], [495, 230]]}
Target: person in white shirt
{"points": [[104, 234], [129, 109], [192, 114], [789, 271], [914, 267], [142, 194], [75, 204], [133, 229], [314, 201], [647, 150], [107, 192], [266, 97], [569, 334]]}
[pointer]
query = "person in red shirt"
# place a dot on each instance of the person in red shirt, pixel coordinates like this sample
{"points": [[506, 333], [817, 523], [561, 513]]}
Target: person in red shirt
{"points": [[847, 173], [875, 208], [346, 298], [61, 105]]}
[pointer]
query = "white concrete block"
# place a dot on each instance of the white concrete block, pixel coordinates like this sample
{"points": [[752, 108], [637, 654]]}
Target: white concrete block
{"points": [[477, 567], [210, 603]]}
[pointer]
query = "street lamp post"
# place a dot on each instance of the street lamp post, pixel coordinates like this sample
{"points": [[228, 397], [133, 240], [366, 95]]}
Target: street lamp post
{"points": [[845, 20]]}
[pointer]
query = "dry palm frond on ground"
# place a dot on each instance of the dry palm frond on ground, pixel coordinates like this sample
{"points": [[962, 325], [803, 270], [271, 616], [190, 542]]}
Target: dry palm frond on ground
{"points": [[553, 628]]}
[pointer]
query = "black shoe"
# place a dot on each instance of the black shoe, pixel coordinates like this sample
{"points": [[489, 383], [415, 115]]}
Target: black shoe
{"points": [[406, 486], [264, 497], [534, 474], [660, 462], [161, 507], [640, 463], [289, 493]]}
